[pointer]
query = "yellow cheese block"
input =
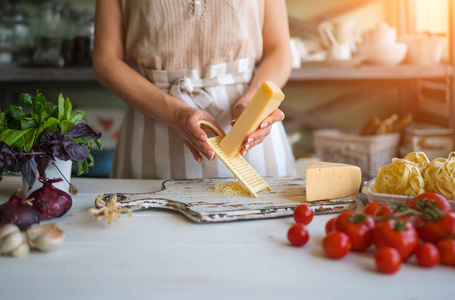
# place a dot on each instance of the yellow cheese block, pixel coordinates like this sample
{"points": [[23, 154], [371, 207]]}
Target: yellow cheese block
{"points": [[267, 98], [326, 180]]}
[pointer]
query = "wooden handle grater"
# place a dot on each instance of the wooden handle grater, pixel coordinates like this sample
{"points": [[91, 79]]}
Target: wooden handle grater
{"points": [[241, 169]]}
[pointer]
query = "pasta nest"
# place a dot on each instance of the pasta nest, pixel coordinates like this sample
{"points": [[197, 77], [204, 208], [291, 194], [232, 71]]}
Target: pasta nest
{"points": [[415, 174]]}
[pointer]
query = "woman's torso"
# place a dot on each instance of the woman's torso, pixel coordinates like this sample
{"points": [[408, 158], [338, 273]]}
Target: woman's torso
{"points": [[172, 42], [191, 34]]}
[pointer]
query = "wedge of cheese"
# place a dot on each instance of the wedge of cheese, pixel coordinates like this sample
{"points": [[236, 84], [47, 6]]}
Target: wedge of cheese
{"points": [[267, 98], [325, 180]]}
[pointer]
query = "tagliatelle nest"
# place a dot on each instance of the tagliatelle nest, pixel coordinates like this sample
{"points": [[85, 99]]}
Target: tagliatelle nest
{"points": [[440, 177], [401, 177], [418, 158], [415, 174], [110, 211]]}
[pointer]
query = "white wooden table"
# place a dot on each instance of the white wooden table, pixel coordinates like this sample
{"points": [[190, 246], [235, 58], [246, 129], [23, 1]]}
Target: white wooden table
{"points": [[162, 255]]}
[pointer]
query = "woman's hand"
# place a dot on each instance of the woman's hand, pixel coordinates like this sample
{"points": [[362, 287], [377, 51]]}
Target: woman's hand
{"points": [[256, 137], [186, 123]]}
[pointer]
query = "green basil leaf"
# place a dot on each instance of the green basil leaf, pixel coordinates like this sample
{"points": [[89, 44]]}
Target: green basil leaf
{"points": [[26, 99], [61, 108], [51, 124], [11, 136], [66, 126], [27, 141], [78, 116], [68, 109], [29, 123]]}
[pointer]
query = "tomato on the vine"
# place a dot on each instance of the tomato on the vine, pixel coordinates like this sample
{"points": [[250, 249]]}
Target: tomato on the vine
{"points": [[303, 214], [447, 249], [371, 208], [330, 225], [384, 210], [388, 260], [423, 200], [434, 230], [336, 244], [298, 235], [397, 234], [358, 227], [427, 255]]}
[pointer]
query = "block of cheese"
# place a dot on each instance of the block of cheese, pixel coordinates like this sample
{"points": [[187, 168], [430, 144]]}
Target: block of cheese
{"points": [[267, 98], [325, 180]]}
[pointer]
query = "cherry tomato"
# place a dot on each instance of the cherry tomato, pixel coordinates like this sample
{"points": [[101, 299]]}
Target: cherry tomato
{"points": [[434, 231], [447, 249], [384, 210], [418, 203], [336, 244], [358, 227], [298, 235], [303, 214], [371, 208], [330, 225], [427, 255], [388, 260], [397, 234]]}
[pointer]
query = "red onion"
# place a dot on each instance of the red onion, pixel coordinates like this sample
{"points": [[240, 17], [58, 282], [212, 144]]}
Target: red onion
{"points": [[50, 201], [18, 211]]}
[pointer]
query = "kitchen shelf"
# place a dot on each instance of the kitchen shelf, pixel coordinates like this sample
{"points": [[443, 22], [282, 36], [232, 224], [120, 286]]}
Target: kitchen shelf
{"points": [[25, 74], [310, 72], [370, 72]]}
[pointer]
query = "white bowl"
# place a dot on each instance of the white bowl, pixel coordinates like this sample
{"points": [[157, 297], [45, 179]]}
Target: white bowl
{"points": [[389, 54], [387, 198]]}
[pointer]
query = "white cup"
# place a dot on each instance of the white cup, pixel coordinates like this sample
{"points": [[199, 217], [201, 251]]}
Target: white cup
{"points": [[340, 52]]}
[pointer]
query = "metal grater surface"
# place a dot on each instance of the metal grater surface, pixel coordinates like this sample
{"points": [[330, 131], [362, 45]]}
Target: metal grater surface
{"points": [[250, 179]]}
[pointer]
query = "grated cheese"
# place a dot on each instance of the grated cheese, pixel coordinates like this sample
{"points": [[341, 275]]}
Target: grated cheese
{"points": [[230, 188]]}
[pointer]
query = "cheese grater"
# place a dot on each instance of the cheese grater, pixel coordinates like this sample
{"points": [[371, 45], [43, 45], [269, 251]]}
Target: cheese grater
{"points": [[241, 169]]}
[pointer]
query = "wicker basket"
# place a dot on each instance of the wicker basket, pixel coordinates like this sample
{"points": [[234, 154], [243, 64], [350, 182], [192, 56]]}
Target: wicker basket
{"points": [[367, 152]]}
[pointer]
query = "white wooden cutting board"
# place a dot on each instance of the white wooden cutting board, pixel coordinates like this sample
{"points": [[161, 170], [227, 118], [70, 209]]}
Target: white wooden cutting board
{"points": [[193, 199]]}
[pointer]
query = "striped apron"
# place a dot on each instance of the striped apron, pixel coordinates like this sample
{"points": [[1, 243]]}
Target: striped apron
{"points": [[151, 150]]}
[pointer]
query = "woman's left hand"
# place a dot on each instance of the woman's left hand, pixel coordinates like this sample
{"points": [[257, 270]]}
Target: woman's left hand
{"points": [[256, 137]]}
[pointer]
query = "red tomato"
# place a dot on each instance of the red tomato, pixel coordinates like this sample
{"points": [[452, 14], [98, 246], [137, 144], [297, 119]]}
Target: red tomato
{"points": [[384, 210], [336, 244], [358, 227], [330, 225], [396, 234], [418, 203], [388, 260], [427, 255], [303, 214], [434, 231], [447, 249], [298, 235], [371, 208]]}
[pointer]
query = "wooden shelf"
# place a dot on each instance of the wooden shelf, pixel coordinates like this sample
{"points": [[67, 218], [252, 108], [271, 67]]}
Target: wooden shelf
{"points": [[308, 72], [320, 72], [24, 74]]}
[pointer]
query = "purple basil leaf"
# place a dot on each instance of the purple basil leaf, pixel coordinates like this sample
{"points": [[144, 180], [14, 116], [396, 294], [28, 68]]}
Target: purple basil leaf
{"points": [[82, 130], [76, 152], [42, 164], [59, 152], [28, 169]]}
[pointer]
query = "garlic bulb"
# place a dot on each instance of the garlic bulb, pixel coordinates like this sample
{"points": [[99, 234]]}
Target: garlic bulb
{"points": [[12, 241], [45, 237]]}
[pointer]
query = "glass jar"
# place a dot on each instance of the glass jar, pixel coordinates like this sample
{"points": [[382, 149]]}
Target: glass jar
{"points": [[48, 52], [82, 39]]}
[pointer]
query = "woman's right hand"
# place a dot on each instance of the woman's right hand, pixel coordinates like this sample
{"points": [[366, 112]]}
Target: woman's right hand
{"points": [[186, 123]]}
